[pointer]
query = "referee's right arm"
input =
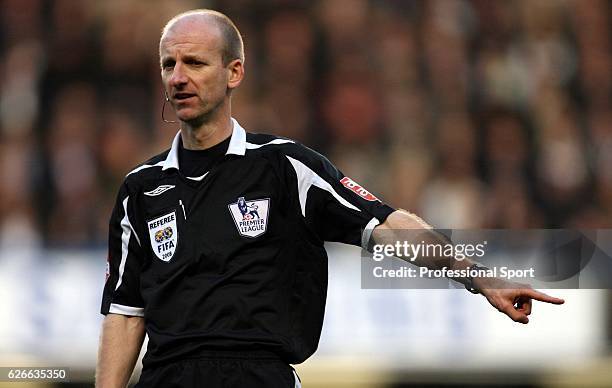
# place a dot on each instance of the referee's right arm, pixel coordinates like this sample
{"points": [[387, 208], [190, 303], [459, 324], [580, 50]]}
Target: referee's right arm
{"points": [[123, 329], [120, 343]]}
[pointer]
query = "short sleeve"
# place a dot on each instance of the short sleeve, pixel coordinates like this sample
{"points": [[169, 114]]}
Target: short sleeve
{"points": [[121, 293], [334, 206]]}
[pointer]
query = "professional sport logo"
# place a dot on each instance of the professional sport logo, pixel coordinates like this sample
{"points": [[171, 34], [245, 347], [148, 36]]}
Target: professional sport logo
{"points": [[164, 236], [358, 189], [250, 217]]}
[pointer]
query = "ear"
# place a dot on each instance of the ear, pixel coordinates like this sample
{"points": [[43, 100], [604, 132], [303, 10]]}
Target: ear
{"points": [[235, 70]]}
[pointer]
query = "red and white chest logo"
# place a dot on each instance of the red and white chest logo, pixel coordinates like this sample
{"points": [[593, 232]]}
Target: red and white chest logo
{"points": [[358, 189]]}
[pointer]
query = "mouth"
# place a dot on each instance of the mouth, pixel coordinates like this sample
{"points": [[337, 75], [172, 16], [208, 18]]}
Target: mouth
{"points": [[180, 96]]}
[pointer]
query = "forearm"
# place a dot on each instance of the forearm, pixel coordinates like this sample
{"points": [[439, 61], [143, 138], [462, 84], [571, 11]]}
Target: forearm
{"points": [[402, 225], [513, 299], [120, 342]]}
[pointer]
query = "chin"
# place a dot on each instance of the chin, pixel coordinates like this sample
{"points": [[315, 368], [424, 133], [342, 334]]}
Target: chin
{"points": [[187, 115], [197, 116]]}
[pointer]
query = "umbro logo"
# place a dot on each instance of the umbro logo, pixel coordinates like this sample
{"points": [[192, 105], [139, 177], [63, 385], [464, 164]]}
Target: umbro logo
{"points": [[159, 190]]}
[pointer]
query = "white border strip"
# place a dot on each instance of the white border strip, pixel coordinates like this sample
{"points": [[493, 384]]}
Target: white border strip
{"points": [[251, 146], [126, 310], [197, 178], [144, 166], [367, 232], [125, 240], [296, 378]]}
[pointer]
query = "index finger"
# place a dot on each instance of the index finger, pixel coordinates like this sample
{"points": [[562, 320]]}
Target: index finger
{"points": [[542, 297]]}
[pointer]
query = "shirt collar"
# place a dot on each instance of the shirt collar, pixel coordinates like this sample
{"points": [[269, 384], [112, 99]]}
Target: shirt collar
{"points": [[237, 146]]}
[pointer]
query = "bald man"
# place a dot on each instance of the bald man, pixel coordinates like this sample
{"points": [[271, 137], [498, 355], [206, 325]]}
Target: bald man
{"points": [[230, 297]]}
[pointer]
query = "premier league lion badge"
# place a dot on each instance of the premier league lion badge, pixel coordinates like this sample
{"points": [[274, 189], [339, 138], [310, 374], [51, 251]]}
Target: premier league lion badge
{"points": [[250, 217], [164, 236]]}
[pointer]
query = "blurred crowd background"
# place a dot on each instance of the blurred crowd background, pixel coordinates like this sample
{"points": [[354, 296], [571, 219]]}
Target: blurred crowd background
{"points": [[473, 114], [470, 113]]}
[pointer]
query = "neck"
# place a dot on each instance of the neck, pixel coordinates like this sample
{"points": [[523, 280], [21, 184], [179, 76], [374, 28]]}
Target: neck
{"points": [[207, 131]]}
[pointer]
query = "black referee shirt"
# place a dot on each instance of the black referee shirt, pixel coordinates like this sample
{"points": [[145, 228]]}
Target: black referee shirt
{"points": [[232, 259]]}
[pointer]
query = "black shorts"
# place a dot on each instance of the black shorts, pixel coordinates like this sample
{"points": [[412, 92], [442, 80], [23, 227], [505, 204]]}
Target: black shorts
{"points": [[224, 370]]}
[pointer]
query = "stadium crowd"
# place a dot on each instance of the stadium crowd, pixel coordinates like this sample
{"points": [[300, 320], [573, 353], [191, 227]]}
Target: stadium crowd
{"points": [[473, 114]]}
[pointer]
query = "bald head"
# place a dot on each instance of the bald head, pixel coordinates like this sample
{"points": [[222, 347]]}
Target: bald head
{"points": [[232, 45]]}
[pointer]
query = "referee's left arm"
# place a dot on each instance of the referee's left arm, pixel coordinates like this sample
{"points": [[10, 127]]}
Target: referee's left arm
{"points": [[512, 299]]}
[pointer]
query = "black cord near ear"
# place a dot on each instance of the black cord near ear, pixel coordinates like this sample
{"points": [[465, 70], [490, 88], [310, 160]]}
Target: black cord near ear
{"points": [[166, 99]]}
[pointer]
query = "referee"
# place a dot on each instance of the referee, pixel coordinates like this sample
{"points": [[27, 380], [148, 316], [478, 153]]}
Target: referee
{"points": [[216, 245]]}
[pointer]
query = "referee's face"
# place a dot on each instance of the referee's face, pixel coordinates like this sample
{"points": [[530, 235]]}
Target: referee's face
{"points": [[192, 70]]}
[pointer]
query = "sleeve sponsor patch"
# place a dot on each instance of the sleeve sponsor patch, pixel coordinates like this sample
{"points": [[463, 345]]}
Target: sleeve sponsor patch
{"points": [[358, 189]]}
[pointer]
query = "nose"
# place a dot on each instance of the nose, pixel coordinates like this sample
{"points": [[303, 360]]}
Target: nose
{"points": [[178, 77]]}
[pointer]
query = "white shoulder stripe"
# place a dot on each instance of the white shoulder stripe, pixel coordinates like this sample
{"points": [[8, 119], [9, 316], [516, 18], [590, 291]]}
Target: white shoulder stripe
{"points": [[197, 178], [126, 310], [306, 178], [251, 146], [144, 166], [127, 229]]}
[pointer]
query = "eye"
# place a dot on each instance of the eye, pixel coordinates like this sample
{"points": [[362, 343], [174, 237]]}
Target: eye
{"points": [[168, 65], [195, 62]]}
